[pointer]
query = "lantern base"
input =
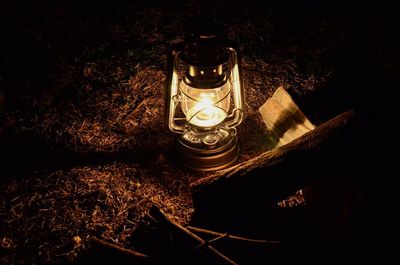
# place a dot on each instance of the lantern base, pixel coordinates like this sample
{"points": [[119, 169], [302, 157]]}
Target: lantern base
{"points": [[209, 158]]}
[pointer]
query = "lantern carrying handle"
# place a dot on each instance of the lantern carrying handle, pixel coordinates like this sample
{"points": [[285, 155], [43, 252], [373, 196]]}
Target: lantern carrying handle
{"points": [[237, 115], [171, 97]]}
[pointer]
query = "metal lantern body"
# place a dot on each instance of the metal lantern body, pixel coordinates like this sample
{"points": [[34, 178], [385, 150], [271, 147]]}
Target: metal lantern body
{"points": [[204, 104]]}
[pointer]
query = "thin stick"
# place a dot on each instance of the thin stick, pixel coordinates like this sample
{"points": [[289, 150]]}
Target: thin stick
{"points": [[108, 245], [207, 242], [161, 217], [226, 235]]}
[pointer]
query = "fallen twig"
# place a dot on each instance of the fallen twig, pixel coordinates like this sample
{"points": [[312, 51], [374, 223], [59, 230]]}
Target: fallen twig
{"points": [[117, 248], [161, 217], [226, 235], [207, 242]]}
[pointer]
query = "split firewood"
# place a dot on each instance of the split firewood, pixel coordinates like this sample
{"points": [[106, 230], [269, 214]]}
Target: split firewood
{"points": [[162, 218], [283, 118], [275, 174]]}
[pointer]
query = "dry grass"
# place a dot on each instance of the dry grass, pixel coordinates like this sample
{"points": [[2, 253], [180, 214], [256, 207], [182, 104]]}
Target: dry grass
{"points": [[107, 97], [55, 215]]}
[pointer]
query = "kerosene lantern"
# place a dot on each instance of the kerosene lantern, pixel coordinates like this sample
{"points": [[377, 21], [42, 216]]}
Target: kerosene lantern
{"points": [[204, 98]]}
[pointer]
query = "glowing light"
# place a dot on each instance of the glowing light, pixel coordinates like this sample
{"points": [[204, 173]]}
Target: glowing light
{"points": [[205, 107], [204, 113]]}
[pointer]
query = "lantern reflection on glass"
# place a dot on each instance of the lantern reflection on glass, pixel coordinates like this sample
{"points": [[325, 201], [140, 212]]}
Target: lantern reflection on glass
{"points": [[210, 95]]}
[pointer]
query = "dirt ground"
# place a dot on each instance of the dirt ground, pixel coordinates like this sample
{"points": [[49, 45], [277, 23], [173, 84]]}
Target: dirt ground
{"points": [[81, 94]]}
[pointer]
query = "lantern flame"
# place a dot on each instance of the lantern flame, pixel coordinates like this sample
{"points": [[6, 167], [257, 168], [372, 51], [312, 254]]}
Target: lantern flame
{"points": [[204, 113]]}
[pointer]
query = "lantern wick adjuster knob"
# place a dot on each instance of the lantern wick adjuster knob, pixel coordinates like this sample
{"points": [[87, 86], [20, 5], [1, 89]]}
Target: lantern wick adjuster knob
{"points": [[176, 98], [210, 140]]}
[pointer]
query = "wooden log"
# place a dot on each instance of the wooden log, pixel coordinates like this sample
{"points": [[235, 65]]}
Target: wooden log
{"points": [[275, 174]]}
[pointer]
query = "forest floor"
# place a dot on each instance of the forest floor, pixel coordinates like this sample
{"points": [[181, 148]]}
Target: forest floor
{"points": [[81, 97]]}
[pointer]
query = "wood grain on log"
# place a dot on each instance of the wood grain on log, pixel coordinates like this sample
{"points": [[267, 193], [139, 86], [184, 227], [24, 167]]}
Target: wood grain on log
{"points": [[283, 118]]}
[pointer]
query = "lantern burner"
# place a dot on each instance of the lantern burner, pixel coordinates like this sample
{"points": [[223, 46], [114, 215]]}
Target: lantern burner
{"points": [[208, 151]]}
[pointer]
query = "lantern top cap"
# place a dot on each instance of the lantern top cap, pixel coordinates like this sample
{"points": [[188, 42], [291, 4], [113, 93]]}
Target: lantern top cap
{"points": [[205, 43], [204, 29]]}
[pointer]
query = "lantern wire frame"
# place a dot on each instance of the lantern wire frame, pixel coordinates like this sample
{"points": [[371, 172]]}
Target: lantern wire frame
{"points": [[214, 104], [172, 97]]}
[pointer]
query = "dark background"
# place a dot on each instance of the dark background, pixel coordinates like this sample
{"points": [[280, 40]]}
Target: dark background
{"points": [[38, 38]]}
